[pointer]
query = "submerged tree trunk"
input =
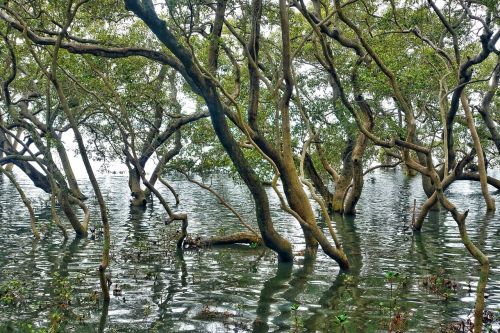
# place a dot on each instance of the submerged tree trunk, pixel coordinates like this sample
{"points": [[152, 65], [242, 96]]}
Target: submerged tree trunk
{"points": [[357, 161], [485, 268], [134, 182], [490, 202], [470, 246], [354, 194], [79, 228], [299, 202], [55, 216], [345, 178], [432, 201], [271, 237]]}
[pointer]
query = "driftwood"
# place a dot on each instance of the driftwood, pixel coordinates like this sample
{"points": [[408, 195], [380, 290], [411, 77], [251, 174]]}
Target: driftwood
{"points": [[235, 238], [246, 237]]}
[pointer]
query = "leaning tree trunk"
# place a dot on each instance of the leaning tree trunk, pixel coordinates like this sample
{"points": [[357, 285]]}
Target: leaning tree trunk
{"points": [[299, 202], [68, 171], [64, 194], [39, 179], [271, 237], [167, 157], [490, 202], [14, 145], [52, 76], [473, 250], [297, 198], [316, 179]]}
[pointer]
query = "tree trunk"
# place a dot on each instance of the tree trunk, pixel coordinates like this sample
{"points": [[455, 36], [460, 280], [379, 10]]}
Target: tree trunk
{"points": [[271, 238], [52, 76], [484, 109], [39, 179], [490, 202], [357, 163], [470, 246], [428, 188], [301, 209], [345, 178], [134, 183], [475, 176], [163, 161], [357, 180], [80, 228], [14, 145], [318, 183], [68, 171], [299, 202]]}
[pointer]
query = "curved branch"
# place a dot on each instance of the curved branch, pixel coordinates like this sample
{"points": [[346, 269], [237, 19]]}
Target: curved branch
{"points": [[222, 201]]}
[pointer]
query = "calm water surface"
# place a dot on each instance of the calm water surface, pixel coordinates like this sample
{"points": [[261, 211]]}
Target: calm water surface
{"points": [[243, 289]]}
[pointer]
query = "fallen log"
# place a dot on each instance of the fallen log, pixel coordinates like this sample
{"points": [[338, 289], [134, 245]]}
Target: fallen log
{"points": [[236, 238]]}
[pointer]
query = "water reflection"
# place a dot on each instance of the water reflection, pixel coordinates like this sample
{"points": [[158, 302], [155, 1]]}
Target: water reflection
{"points": [[241, 289], [104, 316], [271, 287]]}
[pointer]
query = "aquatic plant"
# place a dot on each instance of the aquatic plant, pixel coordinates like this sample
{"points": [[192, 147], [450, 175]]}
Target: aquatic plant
{"points": [[391, 277], [342, 321]]}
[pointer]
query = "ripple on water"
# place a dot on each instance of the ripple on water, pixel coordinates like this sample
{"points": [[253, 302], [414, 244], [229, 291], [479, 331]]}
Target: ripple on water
{"points": [[169, 290]]}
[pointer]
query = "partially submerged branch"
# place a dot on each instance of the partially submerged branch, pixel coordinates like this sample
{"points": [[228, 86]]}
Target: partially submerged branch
{"points": [[234, 238]]}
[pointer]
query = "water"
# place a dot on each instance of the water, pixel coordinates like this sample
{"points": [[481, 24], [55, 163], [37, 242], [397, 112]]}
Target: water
{"points": [[240, 288]]}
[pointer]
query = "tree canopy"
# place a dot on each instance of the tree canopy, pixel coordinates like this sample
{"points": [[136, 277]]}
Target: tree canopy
{"points": [[313, 94]]}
